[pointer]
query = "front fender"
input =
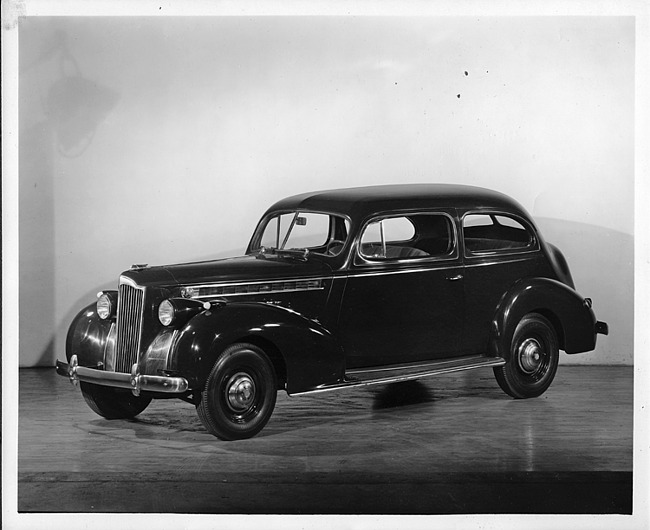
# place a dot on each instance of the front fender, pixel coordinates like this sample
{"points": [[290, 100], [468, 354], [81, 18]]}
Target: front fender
{"points": [[88, 336], [311, 354], [570, 314]]}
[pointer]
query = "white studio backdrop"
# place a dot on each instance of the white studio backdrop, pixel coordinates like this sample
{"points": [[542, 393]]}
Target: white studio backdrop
{"points": [[160, 140]]}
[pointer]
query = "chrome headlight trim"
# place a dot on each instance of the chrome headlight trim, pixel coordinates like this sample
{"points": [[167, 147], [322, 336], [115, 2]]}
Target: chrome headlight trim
{"points": [[166, 313], [106, 304]]}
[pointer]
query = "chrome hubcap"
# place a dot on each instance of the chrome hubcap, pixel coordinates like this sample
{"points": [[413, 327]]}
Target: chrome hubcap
{"points": [[530, 356], [240, 392]]}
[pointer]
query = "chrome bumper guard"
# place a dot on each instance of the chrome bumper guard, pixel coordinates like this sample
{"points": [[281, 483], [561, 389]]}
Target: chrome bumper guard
{"points": [[134, 381]]}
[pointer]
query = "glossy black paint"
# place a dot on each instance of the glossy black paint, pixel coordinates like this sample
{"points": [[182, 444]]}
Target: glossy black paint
{"points": [[310, 354], [410, 315], [87, 336], [363, 313]]}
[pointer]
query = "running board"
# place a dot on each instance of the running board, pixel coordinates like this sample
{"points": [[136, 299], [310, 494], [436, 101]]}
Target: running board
{"points": [[406, 372]]}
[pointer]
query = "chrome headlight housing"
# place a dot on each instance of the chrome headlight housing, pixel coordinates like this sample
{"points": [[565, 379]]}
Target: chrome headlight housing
{"points": [[166, 313], [177, 311], [106, 304]]}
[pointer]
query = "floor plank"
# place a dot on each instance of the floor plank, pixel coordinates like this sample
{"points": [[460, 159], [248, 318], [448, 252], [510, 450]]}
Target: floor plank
{"points": [[449, 444]]}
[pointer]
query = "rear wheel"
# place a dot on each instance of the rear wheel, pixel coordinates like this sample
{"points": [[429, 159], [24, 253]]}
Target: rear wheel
{"points": [[113, 403], [240, 393], [534, 355]]}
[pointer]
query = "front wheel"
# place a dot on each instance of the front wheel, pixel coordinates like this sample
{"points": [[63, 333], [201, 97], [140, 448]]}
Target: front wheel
{"points": [[239, 395], [534, 356]]}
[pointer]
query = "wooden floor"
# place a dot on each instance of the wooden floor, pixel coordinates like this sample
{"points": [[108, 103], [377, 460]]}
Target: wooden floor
{"points": [[453, 444]]}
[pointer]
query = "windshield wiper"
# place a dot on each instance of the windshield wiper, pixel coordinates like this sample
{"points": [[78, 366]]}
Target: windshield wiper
{"points": [[300, 253]]}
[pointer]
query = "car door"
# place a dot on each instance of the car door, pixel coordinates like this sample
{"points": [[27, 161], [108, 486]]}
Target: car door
{"points": [[500, 249], [403, 300]]}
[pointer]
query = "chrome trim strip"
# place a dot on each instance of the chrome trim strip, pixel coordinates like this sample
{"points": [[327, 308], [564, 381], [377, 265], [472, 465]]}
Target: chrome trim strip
{"points": [[415, 366], [357, 273], [228, 295], [487, 362], [220, 289], [129, 281], [110, 349], [497, 261], [274, 280], [364, 273]]}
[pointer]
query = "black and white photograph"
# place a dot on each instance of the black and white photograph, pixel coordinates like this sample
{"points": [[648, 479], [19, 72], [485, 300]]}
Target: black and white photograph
{"points": [[366, 265]]}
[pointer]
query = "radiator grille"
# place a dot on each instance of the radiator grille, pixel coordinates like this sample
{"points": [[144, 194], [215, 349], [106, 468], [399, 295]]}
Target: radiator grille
{"points": [[129, 326]]}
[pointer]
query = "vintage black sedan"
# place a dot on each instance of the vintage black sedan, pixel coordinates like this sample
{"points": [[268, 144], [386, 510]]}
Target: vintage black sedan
{"points": [[337, 289]]}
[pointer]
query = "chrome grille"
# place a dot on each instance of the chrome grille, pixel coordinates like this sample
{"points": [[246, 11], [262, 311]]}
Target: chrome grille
{"points": [[129, 325]]}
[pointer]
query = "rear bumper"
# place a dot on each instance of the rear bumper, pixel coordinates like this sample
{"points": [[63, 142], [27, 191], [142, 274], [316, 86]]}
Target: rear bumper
{"points": [[133, 381]]}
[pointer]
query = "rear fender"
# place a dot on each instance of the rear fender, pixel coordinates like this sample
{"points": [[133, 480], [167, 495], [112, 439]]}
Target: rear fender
{"points": [[570, 314], [311, 355]]}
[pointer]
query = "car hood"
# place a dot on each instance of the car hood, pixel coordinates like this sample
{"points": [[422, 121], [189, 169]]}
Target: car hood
{"points": [[239, 269]]}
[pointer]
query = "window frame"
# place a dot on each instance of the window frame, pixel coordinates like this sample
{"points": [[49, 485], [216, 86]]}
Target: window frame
{"points": [[364, 261], [256, 240], [534, 246]]}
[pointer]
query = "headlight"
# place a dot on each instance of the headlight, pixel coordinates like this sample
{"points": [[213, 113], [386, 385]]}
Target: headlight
{"points": [[166, 313], [107, 304], [178, 311]]}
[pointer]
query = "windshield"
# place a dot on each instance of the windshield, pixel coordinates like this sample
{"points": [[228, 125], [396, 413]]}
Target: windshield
{"points": [[319, 233]]}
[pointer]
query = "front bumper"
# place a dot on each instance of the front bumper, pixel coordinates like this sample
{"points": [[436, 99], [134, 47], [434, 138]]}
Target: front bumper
{"points": [[134, 381]]}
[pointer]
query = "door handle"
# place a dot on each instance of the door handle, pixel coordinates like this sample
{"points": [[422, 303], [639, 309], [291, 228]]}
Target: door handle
{"points": [[455, 278]]}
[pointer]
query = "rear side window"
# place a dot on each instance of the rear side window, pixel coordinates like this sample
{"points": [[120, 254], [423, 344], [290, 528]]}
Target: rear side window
{"points": [[495, 233], [407, 237]]}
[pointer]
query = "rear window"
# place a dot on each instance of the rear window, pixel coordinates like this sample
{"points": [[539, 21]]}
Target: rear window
{"points": [[495, 233]]}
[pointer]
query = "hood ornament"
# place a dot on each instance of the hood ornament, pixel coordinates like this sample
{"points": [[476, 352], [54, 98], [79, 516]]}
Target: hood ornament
{"points": [[139, 266]]}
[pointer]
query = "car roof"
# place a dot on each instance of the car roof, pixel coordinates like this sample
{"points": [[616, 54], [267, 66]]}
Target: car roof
{"points": [[362, 202]]}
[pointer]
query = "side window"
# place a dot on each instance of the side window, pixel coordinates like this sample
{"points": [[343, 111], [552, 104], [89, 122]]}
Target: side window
{"points": [[407, 237], [493, 233]]}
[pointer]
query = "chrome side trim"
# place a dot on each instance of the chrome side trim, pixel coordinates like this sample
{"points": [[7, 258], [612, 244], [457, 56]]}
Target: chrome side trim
{"points": [[408, 372], [237, 284], [360, 274], [499, 261], [418, 366], [255, 288], [209, 295]]}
